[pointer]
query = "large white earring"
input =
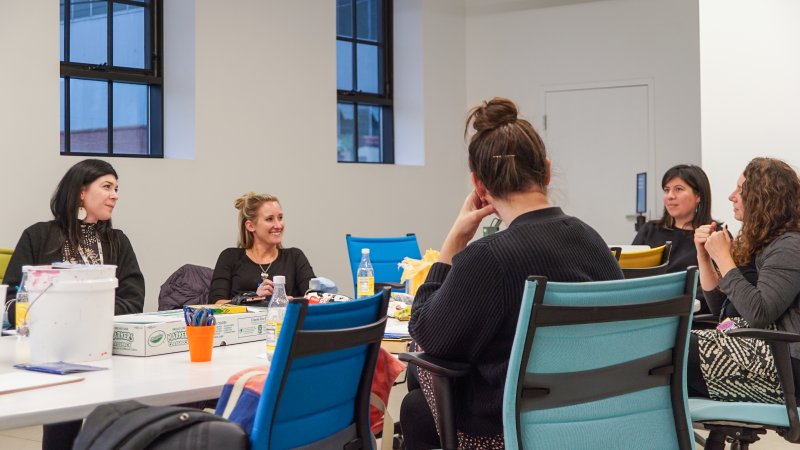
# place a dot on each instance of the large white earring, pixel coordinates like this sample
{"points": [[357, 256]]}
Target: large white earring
{"points": [[81, 213]]}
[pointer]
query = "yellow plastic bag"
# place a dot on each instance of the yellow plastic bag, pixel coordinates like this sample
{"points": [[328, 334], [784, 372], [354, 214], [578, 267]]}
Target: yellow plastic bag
{"points": [[415, 271]]}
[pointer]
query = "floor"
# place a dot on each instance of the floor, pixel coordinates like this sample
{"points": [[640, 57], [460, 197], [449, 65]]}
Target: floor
{"points": [[30, 438]]}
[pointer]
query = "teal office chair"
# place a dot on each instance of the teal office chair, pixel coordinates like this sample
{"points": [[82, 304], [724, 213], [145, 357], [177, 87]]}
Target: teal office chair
{"points": [[743, 422], [593, 365], [318, 388], [384, 253]]}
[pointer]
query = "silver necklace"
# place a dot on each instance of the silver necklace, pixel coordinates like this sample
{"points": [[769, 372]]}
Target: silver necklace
{"points": [[265, 272]]}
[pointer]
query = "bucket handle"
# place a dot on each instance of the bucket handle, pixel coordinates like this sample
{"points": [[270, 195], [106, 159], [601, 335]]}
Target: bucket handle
{"points": [[25, 331]]}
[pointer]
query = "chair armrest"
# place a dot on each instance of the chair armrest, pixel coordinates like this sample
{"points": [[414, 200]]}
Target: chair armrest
{"points": [[436, 366], [779, 343], [767, 335], [444, 372], [705, 318], [394, 286]]}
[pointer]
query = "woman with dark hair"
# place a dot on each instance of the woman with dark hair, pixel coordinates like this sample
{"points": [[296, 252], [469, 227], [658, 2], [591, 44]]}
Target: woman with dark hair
{"points": [[81, 233], [468, 306], [751, 281], [687, 205], [259, 255]]}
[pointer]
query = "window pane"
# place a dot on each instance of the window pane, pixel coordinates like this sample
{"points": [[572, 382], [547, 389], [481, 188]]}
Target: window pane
{"points": [[369, 133], [368, 22], [88, 115], [88, 33], [61, 110], [367, 69], [344, 66], [130, 119], [129, 27], [344, 18], [345, 124]]}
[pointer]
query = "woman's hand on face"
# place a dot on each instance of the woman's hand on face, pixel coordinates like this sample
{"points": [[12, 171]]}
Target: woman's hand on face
{"points": [[466, 224], [265, 289], [472, 213]]}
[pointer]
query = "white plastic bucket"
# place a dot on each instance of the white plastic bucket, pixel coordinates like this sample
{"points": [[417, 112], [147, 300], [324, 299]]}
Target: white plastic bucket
{"points": [[71, 312]]}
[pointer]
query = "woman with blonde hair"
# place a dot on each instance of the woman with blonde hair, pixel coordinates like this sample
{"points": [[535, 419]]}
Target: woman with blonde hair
{"points": [[752, 281], [247, 269]]}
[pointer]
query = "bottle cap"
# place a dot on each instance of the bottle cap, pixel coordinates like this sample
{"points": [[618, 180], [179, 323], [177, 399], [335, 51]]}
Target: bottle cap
{"points": [[365, 251], [279, 279]]}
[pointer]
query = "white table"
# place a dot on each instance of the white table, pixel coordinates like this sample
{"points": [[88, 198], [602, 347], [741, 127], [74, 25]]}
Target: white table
{"points": [[154, 380]]}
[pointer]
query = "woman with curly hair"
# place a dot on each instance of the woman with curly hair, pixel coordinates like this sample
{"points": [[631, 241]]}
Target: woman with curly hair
{"points": [[752, 281]]}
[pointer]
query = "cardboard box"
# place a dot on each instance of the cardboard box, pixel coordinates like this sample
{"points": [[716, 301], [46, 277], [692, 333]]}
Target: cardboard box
{"points": [[161, 332], [396, 346]]}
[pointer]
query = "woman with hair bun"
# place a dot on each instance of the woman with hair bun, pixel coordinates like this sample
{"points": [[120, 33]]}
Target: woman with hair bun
{"points": [[248, 268], [476, 289]]}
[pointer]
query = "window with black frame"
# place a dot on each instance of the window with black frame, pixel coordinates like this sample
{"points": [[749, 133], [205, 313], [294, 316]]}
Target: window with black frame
{"points": [[111, 78], [364, 81]]}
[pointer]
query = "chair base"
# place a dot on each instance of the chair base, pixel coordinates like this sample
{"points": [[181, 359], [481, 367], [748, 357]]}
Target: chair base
{"points": [[739, 435]]}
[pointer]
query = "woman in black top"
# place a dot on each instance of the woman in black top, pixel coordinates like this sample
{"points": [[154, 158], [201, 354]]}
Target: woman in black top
{"points": [[81, 232], [259, 254], [467, 309], [687, 205]]}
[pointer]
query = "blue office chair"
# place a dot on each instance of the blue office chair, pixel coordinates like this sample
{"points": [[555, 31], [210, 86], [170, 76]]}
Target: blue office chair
{"points": [[384, 253], [318, 388], [743, 422], [593, 365]]}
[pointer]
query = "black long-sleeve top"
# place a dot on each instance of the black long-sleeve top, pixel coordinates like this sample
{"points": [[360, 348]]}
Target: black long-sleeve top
{"points": [[42, 243], [236, 273], [468, 312]]}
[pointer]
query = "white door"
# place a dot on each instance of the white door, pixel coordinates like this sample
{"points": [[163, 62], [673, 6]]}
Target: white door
{"points": [[598, 140]]}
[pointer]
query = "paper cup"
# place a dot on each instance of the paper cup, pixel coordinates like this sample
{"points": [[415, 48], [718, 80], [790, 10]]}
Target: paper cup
{"points": [[201, 342]]}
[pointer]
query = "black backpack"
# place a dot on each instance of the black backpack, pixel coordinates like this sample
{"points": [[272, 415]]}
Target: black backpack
{"points": [[131, 425]]}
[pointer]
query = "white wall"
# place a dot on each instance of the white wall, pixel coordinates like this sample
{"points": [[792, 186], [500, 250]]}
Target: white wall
{"points": [[517, 49], [264, 120], [750, 72]]}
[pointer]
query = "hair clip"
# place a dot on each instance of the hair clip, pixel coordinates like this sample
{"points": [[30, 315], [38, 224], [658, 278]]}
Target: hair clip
{"points": [[503, 156]]}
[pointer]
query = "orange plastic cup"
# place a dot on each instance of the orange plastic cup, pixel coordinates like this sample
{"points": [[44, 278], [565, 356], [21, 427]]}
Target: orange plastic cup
{"points": [[201, 342]]}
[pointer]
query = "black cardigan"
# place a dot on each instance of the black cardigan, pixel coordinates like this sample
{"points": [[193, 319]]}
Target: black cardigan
{"points": [[41, 243], [468, 312]]}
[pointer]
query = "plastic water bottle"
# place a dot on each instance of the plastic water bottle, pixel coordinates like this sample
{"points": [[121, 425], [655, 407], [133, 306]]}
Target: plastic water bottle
{"points": [[365, 276], [21, 305], [276, 311]]}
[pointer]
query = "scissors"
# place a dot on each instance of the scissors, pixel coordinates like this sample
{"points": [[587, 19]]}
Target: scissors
{"points": [[199, 317]]}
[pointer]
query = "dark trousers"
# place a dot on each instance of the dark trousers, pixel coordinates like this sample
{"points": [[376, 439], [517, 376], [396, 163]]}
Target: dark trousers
{"points": [[416, 420], [60, 436]]}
